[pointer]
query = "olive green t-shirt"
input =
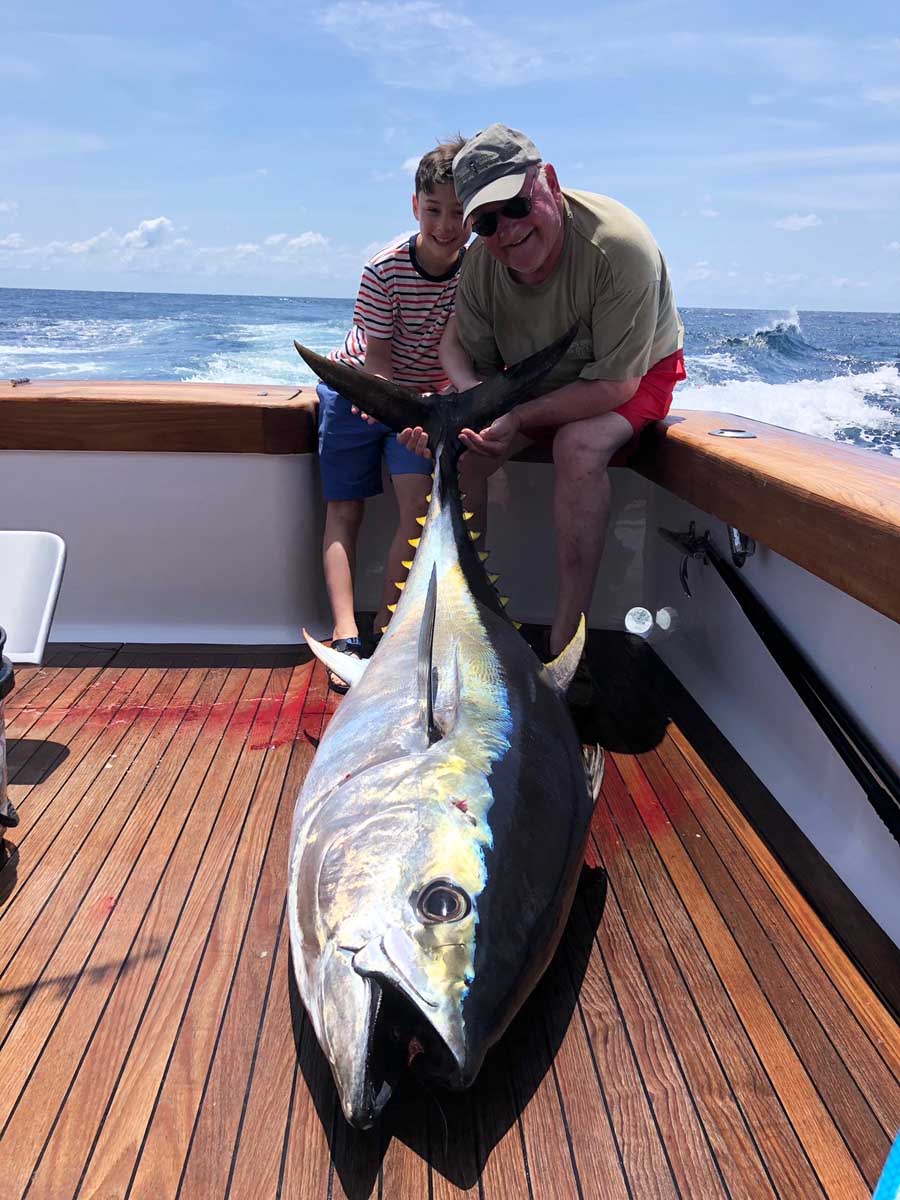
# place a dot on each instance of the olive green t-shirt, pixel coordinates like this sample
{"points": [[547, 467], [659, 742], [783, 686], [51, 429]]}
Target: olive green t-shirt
{"points": [[610, 278]]}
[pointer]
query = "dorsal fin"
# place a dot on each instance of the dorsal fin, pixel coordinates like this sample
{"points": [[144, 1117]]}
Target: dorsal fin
{"points": [[343, 665], [563, 667], [424, 671]]}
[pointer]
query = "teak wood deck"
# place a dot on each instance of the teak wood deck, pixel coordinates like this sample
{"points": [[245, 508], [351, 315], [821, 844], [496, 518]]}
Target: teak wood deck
{"points": [[700, 1034]]}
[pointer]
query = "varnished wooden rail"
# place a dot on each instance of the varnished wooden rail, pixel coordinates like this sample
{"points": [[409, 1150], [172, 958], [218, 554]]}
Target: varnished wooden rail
{"points": [[832, 509]]}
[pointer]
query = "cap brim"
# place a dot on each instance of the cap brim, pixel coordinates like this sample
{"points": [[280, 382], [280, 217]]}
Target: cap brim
{"points": [[500, 189]]}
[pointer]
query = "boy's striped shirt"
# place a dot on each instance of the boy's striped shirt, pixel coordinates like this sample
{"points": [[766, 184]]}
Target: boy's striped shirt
{"points": [[400, 302]]}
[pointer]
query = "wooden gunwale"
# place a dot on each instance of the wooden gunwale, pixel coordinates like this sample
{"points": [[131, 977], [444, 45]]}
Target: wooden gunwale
{"points": [[709, 1037], [832, 509]]}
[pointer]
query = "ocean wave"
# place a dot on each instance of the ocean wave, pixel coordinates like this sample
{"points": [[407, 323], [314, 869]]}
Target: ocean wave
{"points": [[783, 336], [848, 408]]}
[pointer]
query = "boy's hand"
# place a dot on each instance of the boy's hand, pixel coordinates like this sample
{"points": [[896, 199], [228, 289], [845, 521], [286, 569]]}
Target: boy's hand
{"points": [[416, 440], [365, 416], [496, 440]]}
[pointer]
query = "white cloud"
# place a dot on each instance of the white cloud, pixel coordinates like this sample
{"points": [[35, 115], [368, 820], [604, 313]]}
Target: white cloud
{"points": [[698, 272], [9, 206], [893, 246], [409, 165], [710, 213], [795, 222], [149, 234], [155, 244], [841, 282]]}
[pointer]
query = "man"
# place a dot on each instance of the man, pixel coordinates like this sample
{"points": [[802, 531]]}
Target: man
{"points": [[546, 259]]}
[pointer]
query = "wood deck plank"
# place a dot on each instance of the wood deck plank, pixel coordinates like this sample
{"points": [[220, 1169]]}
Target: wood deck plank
{"points": [[644, 1156], [221, 1121], [850, 1074], [736, 1154], [598, 1157], [708, 1039], [35, 782], [829, 1155], [308, 1162], [68, 1089], [771, 1131], [168, 1137], [42, 975], [34, 750], [115, 1156], [882, 1030], [159, 888], [50, 850]]}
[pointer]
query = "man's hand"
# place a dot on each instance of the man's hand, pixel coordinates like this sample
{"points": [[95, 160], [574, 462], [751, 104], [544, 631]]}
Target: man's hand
{"points": [[496, 440]]}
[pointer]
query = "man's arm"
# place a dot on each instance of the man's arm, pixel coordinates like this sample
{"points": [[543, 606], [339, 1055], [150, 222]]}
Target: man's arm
{"points": [[574, 402], [456, 362]]}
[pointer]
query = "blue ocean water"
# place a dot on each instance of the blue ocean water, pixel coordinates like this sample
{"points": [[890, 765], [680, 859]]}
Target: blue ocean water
{"points": [[833, 374]]}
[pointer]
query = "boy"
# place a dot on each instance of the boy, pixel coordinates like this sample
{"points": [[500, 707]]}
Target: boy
{"points": [[405, 298]]}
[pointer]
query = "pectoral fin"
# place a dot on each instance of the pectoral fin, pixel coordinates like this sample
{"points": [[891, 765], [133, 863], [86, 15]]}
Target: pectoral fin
{"points": [[563, 667], [343, 665]]}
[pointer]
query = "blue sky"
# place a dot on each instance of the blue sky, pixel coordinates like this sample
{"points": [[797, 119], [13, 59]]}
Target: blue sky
{"points": [[266, 147]]}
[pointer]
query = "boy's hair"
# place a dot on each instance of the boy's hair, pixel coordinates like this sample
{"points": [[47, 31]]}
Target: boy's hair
{"points": [[437, 165]]}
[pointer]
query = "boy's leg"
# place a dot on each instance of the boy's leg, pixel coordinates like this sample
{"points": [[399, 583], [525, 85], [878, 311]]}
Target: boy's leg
{"points": [[411, 478], [342, 521], [350, 467], [410, 491]]}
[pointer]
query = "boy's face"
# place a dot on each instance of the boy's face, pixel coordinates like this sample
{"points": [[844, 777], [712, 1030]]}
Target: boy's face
{"points": [[439, 214]]}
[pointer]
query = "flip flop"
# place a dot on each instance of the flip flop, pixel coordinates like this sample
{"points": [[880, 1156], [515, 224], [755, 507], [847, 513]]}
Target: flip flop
{"points": [[351, 646]]}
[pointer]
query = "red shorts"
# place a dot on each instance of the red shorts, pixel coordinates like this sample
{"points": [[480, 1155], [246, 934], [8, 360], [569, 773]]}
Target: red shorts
{"points": [[651, 402]]}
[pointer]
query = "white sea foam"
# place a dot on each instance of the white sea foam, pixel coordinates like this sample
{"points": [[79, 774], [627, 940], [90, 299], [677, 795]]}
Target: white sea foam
{"points": [[718, 361], [822, 406], [243, 366]]}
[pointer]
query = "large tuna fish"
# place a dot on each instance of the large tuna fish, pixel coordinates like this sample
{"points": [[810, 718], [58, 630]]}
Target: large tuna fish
{"points": [[439, 834]]}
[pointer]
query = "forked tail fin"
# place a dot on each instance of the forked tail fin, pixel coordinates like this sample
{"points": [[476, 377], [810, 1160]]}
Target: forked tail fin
{"points": [[442, 417]]}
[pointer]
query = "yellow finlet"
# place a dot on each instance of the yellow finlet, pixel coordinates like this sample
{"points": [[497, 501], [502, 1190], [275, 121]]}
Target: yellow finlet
{"points": [[517, 624], [420, 520], [474, 534], [392, 608], [400, 585], [504, 600], [428, 498], [492, 577], [467, 516], [407, 562], [384, 629], [484, 555], [414, 542]]}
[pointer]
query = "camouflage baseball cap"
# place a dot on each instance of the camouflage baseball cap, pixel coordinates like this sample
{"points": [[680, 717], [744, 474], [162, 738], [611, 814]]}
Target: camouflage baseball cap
{"points": [[491, 166]]}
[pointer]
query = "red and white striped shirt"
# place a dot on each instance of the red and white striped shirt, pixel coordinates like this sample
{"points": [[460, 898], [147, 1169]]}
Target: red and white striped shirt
{"points": [[399, 301]]}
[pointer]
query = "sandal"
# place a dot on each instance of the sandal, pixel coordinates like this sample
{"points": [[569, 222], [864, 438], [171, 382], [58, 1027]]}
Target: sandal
{"points": [[351, 646]]}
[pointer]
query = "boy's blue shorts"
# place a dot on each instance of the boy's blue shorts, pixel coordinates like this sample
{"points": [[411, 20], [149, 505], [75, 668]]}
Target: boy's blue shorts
{"points": [[350, 451]]}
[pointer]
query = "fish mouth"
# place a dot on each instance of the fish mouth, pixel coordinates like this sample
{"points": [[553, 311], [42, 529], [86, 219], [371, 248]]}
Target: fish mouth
{"points": [[401, 1042]]}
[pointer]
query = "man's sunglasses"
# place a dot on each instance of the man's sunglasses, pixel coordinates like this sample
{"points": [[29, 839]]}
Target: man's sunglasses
{"points": [[515, 209]]}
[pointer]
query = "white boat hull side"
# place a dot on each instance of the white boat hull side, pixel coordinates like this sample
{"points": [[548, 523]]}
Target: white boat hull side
{"points": [[719, 658], [176, 547], [520, 541]]}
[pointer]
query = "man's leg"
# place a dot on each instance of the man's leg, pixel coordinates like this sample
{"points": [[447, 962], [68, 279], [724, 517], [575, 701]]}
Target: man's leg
{"points": [[410, 491], [342, 521], [581, 499]]}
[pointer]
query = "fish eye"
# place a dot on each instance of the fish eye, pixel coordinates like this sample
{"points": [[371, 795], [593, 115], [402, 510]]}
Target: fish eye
{"points": [[442, 901]]}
